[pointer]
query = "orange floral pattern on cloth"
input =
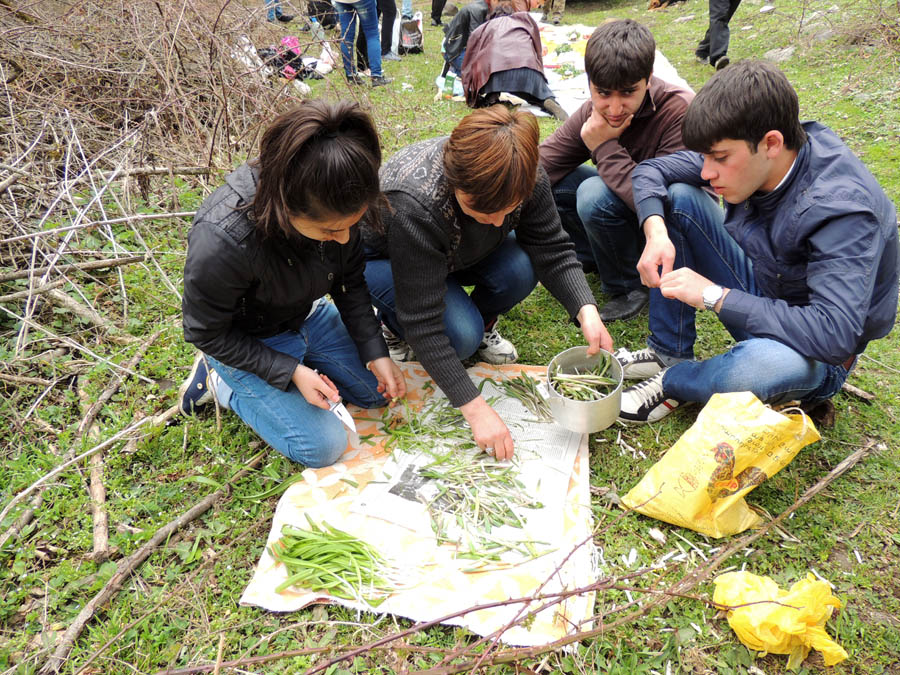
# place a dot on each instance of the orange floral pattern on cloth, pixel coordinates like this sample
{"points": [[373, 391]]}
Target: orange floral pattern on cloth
{"points": [[439, 583]]}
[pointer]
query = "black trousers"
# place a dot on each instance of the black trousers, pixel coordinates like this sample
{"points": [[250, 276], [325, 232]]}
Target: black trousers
{"points": [[437, 8], [714, 44]]}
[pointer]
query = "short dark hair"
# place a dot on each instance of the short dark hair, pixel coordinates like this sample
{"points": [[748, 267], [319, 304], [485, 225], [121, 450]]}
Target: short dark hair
{"points": [[618, 54], [319, 160], [492, 156], [743, 102]]}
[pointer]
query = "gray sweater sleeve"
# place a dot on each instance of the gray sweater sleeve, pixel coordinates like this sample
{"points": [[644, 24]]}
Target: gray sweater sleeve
{"points": [[419, 252]]}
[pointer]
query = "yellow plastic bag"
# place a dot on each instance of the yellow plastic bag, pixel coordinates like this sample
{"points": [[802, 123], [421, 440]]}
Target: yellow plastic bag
{"points": [[777, 628], [735, 444]]}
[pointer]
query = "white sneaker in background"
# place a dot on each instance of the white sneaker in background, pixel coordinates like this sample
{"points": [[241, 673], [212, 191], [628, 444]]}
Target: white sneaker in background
{"points": [[495, 349]]}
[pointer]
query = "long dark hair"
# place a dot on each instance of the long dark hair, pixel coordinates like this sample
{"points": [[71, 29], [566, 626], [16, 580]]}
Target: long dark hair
{"points": [[319, 160]]}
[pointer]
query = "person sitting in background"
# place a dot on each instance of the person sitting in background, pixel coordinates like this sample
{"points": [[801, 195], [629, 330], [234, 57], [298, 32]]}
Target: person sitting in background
{"points": [[632, 116], [474, 210], [504, 55], [264, 251], [801, 267]]}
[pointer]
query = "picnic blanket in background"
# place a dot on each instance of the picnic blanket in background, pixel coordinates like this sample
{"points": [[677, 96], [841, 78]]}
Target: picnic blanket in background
{"points": [[563, 55], [354, 495]]}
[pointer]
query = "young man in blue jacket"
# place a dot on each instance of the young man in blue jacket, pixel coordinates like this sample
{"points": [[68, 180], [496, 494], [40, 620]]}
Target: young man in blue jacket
{"points": [[801, 266]]}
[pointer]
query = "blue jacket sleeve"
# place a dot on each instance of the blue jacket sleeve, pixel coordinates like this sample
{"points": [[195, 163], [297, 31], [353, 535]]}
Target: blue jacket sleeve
{"points": [[651, 179], [843, 258]]}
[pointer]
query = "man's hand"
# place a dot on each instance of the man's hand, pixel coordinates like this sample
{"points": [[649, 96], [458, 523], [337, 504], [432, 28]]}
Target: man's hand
{"points": [[316, 388], [596, 130], [659, 251], [391, 382], [594, 331], [488, 429], [686, 285]]}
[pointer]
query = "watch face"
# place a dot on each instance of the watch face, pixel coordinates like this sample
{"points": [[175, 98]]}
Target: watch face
{"points": [[711, 295]]}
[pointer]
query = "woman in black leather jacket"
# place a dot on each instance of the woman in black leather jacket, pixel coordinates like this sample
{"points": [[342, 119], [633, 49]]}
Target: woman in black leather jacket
{"points": [[264, 251]]}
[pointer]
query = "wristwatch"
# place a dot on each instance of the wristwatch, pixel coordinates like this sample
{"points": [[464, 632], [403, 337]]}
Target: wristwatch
{"points": [[711, 295]]}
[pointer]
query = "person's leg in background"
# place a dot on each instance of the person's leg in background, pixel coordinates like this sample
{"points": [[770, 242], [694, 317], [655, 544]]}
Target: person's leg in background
{"points": [[616, 243], [564, 194], [406, 10], [346, 18], [388, 11], [437, 9], [273, 12], [720, 13], [367, 11]]}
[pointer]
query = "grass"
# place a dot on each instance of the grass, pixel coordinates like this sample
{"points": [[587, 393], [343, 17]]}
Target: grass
{"points": [[184, 597]]}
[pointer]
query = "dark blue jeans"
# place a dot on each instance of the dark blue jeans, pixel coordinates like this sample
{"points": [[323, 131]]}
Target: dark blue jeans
{"points": [[773, 371], [284, 419], [502, 280], [367, 11], [603, 228]]}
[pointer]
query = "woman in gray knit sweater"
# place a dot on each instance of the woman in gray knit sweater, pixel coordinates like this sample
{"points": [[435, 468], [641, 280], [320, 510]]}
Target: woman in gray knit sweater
{"points": [[475, 210]]}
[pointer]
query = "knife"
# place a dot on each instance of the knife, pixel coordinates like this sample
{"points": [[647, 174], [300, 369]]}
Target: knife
{"points": [[340, 410]]}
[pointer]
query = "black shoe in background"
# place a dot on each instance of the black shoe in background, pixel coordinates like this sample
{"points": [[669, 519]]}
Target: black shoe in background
{"points": [[625, 306], [285, 18]]}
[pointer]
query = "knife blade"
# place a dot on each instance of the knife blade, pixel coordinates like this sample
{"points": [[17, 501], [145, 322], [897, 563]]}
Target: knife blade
{"points": [[340, 410]]}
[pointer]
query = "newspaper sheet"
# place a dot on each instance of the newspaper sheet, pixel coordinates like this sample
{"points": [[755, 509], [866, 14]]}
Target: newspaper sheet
{"points": [[382, 498]]}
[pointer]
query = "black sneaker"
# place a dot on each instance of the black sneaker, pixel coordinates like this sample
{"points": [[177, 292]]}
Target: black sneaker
{"points": [[646, 401], [285, 18], [356, 78], [722, 62], [381, 80], [194, 392]]}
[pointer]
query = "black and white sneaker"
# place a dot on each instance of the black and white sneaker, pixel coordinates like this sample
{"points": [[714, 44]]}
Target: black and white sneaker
{"points": [[639, 365], [398, 348], [646, 401], [195, 391]]}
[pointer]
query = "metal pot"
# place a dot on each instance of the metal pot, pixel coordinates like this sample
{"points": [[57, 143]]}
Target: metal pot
{"points": [[584, 416]]}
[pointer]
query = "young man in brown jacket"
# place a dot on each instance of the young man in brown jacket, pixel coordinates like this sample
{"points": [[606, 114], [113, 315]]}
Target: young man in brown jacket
{"points": [[632, 116]]}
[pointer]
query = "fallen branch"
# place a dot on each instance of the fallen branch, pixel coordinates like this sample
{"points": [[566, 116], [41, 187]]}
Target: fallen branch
{"points": [[22, 295], [157, 171], [23, 379], [24, 518], [132, 562], [68, 267], [856, 391], [94, 223]]}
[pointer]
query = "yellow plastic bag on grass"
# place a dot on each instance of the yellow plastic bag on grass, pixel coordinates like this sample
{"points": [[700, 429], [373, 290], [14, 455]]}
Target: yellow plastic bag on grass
{"points": [[777, 628], [735, 444]]}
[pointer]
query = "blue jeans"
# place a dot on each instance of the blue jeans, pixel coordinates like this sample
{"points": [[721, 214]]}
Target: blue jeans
{"points": [[773, 371], [273, 9], [284, 419], [406, 10], [502, 280], [603, 228], [367, 11]]}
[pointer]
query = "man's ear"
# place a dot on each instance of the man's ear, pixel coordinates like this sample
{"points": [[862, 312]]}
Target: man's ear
{"points": [[773, 142]]}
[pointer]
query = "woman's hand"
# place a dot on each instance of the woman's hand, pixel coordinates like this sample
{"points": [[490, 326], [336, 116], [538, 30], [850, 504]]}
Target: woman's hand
{"points": [[316, 388], [488, 429], [594, 331], [391, 382]]}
